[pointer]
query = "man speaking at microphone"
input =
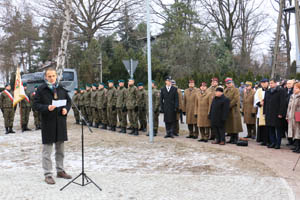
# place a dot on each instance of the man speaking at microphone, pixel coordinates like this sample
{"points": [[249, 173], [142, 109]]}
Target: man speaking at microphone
{"points": [[53, 102]]}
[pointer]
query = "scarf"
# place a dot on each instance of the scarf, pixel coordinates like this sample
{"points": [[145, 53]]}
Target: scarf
{"points": [[53, 88]]}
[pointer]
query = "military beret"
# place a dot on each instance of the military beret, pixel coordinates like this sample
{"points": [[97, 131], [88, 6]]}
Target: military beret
{"points": [[140, 84], [153, 81], [7, 84], [102, 84], [36, 86], [214, 79], [106, 86], [110, 81], [76, 89], [131, 79], [82, 88], [25, 84], [95, 85], [88, 85], [121, 81]]}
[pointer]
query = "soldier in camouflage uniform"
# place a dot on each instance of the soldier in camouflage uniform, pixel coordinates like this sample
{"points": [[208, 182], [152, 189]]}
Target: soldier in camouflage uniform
{"points": [[102, 105], [111, 105], [94, 110], [132, 107], [155, 107], [142, 103], [75, 100], [87, 104], [121, 106], [81, 104], [6, 106], [36, 114], [25, 107]]}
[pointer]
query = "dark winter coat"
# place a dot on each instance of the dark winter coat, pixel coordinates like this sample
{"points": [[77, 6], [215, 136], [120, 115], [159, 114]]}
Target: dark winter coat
{"points": [[219, 111], [274, 105], [54, 124], [169, 103]]}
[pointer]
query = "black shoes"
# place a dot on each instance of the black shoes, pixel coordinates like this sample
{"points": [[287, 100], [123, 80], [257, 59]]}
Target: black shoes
{"points": [[190, 136], [6, 131], [104, 126], [169, 136], [11, 130], [271, 146]]}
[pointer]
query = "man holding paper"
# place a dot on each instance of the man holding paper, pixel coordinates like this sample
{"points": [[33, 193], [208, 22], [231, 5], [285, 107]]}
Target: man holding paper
{"points": [[53, 103]]}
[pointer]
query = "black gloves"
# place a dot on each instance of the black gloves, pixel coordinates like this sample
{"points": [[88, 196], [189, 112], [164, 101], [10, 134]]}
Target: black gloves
{"points": [[136, 109]]}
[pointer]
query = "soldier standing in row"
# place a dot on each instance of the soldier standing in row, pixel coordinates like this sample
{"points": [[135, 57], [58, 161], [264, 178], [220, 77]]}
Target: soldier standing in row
{"points": [[87, 104], [142, 103], [132, 107], [202, 106], [36, 114], [25, 107], [6, 106], [81, 104], [111, 105], [249, 110], [121, 106], [75, 100], [233, 123], [155, 107], [94, 110], [101, 105], [189, 109]]}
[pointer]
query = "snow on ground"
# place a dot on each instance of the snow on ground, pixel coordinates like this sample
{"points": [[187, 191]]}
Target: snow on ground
{"points": [[128, 167]]}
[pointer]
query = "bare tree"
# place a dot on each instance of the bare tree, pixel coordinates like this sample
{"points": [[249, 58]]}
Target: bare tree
{"points": [[223, 18]]}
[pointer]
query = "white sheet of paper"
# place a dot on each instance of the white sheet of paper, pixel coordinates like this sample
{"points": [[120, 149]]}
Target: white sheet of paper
{"points": [[59, 103]]}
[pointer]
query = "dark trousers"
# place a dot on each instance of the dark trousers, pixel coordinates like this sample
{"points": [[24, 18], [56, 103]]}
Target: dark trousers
{"points": [[170, 127], [193, 129], [275, 135], [263, 134], [251, 130], [219, 132]]}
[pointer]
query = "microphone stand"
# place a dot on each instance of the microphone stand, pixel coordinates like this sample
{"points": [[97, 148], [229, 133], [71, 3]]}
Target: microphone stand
{"points": [[85, 179]]}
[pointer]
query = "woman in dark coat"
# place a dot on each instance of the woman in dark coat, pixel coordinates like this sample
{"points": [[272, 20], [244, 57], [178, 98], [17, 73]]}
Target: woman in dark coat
{"points": [[218, 114], [275, 112], [169, 106], [54, 124]]}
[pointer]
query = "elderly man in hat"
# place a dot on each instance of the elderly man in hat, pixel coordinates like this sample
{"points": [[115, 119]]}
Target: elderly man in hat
{"points": [[36, 114], [25, 107], [132, 107], [249, 110], [6, 106], [233, 123], [218, 114], [169, 104], [189, 109], [179, 113], [262, 132], [75, 100], [202, 106], [121, 106], [142, 103]]}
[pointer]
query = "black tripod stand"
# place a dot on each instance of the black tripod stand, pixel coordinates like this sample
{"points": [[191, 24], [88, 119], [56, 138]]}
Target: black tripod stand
{"points": [[296, 164], [85, 179]]}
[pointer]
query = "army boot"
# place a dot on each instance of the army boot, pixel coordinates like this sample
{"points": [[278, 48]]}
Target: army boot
{"points": [[6, 130], [11, 130], [104, 126], [113, 128], [26, 128], [23, 128], [136, 132]]}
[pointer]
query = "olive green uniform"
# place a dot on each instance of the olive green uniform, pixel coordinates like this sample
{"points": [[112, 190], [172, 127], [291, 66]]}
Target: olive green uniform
{"points": [[142, 104], [94, 110], [25, 107], [6, 106], [131, 105], [102, 105], [82, 105], [155, 107], [111, 107], [75, 100], [87, 106], [121, 106], [36, 114]]}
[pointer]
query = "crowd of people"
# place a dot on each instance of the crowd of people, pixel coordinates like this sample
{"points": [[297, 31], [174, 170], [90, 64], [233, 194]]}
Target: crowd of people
{"points": [[269, 109]]}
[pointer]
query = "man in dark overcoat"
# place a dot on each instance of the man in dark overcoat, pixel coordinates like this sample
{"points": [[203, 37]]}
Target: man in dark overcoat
{"points": [[275, 112], [54, 123], [169, 106]]}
